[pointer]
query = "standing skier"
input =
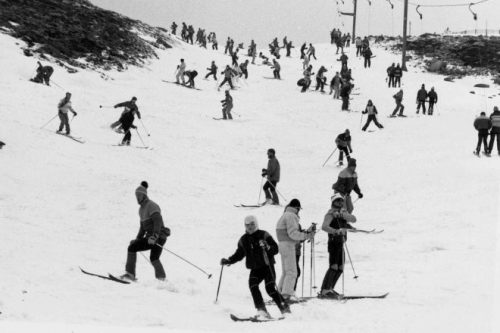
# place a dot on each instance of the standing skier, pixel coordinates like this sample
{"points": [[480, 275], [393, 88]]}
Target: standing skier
{"points": [[345, 91], [152, 235], [212, 70], [367, 54], [180, 72], [173, 27], [276, 69], [321, 79], [421, 97], [64, 106], [433, 99], [228, 74], [335, 224], [311, 52], [343, 142], [335, 85], [398, 74], [347, 181], [359, 43], [372, 115], [398, 98], [303, 49], [227, 106], [272, 173], [482, 124], [289, 235], [127, 118], [259, 249], [390, 75], [495, 130]]}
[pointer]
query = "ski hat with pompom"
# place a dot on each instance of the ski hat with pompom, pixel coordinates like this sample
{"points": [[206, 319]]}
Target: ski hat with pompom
{"points": [[142, 189]]}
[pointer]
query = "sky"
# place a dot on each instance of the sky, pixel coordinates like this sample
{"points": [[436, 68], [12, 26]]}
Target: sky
{"points": [[304, 21]]}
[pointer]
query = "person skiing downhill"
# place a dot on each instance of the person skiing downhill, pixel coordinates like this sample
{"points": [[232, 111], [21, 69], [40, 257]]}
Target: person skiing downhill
{"points": [[347, 181], [64, 106], [343, 142], [335, 224], [127, 119], [272, 173], [152, 235], [258, 248], [227, 106], [372, 115], [289, 235], [212, 70]]}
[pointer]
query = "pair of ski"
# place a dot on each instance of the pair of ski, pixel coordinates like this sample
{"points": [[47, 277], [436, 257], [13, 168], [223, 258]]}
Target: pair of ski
{"points": [[339, 298], [109, 277], [80, 140], [372, 231], [138, 147], [254, 206], [181, 84], [479, 155]]}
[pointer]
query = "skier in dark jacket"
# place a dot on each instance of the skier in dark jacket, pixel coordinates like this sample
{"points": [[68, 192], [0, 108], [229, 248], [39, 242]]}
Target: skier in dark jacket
{"points": [[398, 74], [244, 69], [390, 75], [127, 119], [258, 248], [190, 75], [421, 97], [335, 224], [367, 54], [398, 98], [272, 173], [495, 130], [433, 99], [482, 124], [212, 70], [372, 115], [343, 59], [152, 235], [227, 106], [303, 49], [173, 27], [347, 181], [343, 142], [43, 74], [345, 91]]}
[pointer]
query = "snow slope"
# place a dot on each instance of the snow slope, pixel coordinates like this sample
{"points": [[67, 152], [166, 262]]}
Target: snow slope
{"points": [[65, 205]]}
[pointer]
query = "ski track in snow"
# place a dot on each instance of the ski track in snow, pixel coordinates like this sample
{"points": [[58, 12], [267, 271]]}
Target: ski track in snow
{"points": [[64, 204]]}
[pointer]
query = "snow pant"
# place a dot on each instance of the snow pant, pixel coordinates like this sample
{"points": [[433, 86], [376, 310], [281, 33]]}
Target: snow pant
{"points": [[266, 274], [368, 62], [371, 118], [482, 138], [341, 49], [181, 76], [391, 81], [228, 80], [306, 85], [431, 108], [336, 265], [64, 122], [320, 84], [342, 151], [345, 102], [244, 72], [226, 112], [312, 55], [139, 245], [270, 191], [492, 141], [214, 73], [276, 74], [214, 46], [336, 95], [421, 103], [358, 50], [128, 134], [397, 80], [399, 107], [297, 259], [289, 268]]}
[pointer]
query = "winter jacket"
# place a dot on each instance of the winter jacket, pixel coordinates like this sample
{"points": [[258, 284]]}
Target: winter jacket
{"points": [[343, 58], [358, 42], [151, 221], [337, 219], [347, 181], [336, 81], [228, 73], [273, 170], [181, 68], [228, 102], [398, 72], [433, 97], [482, 124], [495, 122], [343, 140], [127, 117], [371, 110], [65, 106], [345, 90], [398, 96], [422, 95], [390, 70], [367, 54], [288, 228], [249, 247]]}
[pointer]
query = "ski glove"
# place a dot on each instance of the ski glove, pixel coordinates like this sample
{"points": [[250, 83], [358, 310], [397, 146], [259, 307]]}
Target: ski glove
{"points": [[360, 195], [225, 262], [263, 244], [152, 239]]}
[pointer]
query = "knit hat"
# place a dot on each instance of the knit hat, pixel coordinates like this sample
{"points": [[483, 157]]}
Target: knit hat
{"points": [[351, 163], [251, 219], [142, 189], [295, 203]]}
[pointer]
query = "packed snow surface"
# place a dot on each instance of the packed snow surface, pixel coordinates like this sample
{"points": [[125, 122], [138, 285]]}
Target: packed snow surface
{"points": [[64, 204]]}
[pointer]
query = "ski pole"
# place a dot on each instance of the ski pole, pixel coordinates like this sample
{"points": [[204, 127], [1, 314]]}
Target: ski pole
{"points": [[140, 137], [274, 187], [361, 120], [49, 121], [218, 287], [350, 260], [145, 129], [105, 106], [57, 85], [178, 256], [303, 265], [260, 189], [333, 152], [313, 272]]}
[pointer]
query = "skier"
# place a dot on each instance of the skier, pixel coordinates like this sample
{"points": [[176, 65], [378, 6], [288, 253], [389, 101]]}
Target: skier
{"points": [[359, 44], [367, 54], [303, 49], [276, 69], [212, 71], [433, 99], [311, 52], [180, 72], [288, 235], [234, 58], [347, 181], [390, 75], [272, 173], [289, 46], [343, 59], [335, 85], [43, 74], [215, 45], [259, 249], [340, 45], [227, 106], [127, 118], [398, 97], [345, 91], [190, 75], [372, 115], [173, 27], [335, 224], [495, 130], [64, 106], [421, 97], [307, 78], [398, 73], [152, 235], [244, 69], [343, 142], [482, 124], [321, 79], [228, 74]]}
